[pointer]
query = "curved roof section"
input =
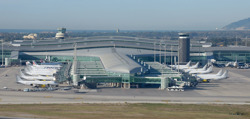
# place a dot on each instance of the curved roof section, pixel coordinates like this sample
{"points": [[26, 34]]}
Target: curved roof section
{"points": [[112, 41], [115, 60]]}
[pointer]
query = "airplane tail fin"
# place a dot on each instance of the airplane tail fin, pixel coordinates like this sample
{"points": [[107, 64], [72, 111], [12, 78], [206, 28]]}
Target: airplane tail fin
{"points": [[205, 67], [210, 68], [235, 63], [28, 63], [228, 64], [196, 65], [209, 64], [21, 74], [219, 73], [225, 74], [18, 79], [188, 64], [34, 63]]}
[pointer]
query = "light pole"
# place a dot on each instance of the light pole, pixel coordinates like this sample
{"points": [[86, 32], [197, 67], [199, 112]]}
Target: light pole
{"points": [[236, 42], [160, 53], [179, 58], [165, 55], [246, 42], [154, 51], [199, 51], [171, 57], [2, 52]]}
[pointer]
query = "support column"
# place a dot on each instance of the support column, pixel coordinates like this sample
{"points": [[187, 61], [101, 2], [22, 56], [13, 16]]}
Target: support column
{"points": [[164, 83], [75, 79], [126, 85], [117, 84]]}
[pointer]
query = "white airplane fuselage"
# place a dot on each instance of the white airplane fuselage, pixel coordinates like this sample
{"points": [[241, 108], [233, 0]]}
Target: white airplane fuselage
{"points": [[214, 76], [33, 83], [35, 71], [202, 71], [36, 77]]}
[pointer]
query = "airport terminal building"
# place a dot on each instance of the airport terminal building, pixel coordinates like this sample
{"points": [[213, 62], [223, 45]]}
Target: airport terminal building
{"points": [[118, 60]]}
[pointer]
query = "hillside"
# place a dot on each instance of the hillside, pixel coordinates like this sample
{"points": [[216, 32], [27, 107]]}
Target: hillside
{"points": [[239, 25]]}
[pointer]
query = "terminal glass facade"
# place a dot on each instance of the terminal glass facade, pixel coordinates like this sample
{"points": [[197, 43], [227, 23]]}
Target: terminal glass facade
{"points": [[243, 56]]}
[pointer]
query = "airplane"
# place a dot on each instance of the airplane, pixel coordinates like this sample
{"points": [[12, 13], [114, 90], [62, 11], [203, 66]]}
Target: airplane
{"points": [[235, 63], [32, 71], [36, 77], [194, 66], [201, 69], [52, 69], [35, 83], [181, 66], [56, 66], [214, 77], [202, 72], [223, 76], [232, 64], [210, 75], [190, 67]]}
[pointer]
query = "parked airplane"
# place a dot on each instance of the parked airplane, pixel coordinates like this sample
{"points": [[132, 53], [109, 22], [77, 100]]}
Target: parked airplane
{"points": [[55, 66], [191, 69], [204, 76], [46, 66], [233, 64], [36, 77], [35, 83], [194, 66], [202, 72], [214, 77], [33, 71], [51, 69], [181, 66]]}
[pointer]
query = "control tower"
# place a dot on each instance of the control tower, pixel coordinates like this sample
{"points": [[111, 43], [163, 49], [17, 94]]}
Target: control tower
{"points": [[184, 47], [61, 33]]}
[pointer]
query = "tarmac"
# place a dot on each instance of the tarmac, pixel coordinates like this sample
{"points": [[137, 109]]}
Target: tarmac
{"points": [[233, 90]]}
